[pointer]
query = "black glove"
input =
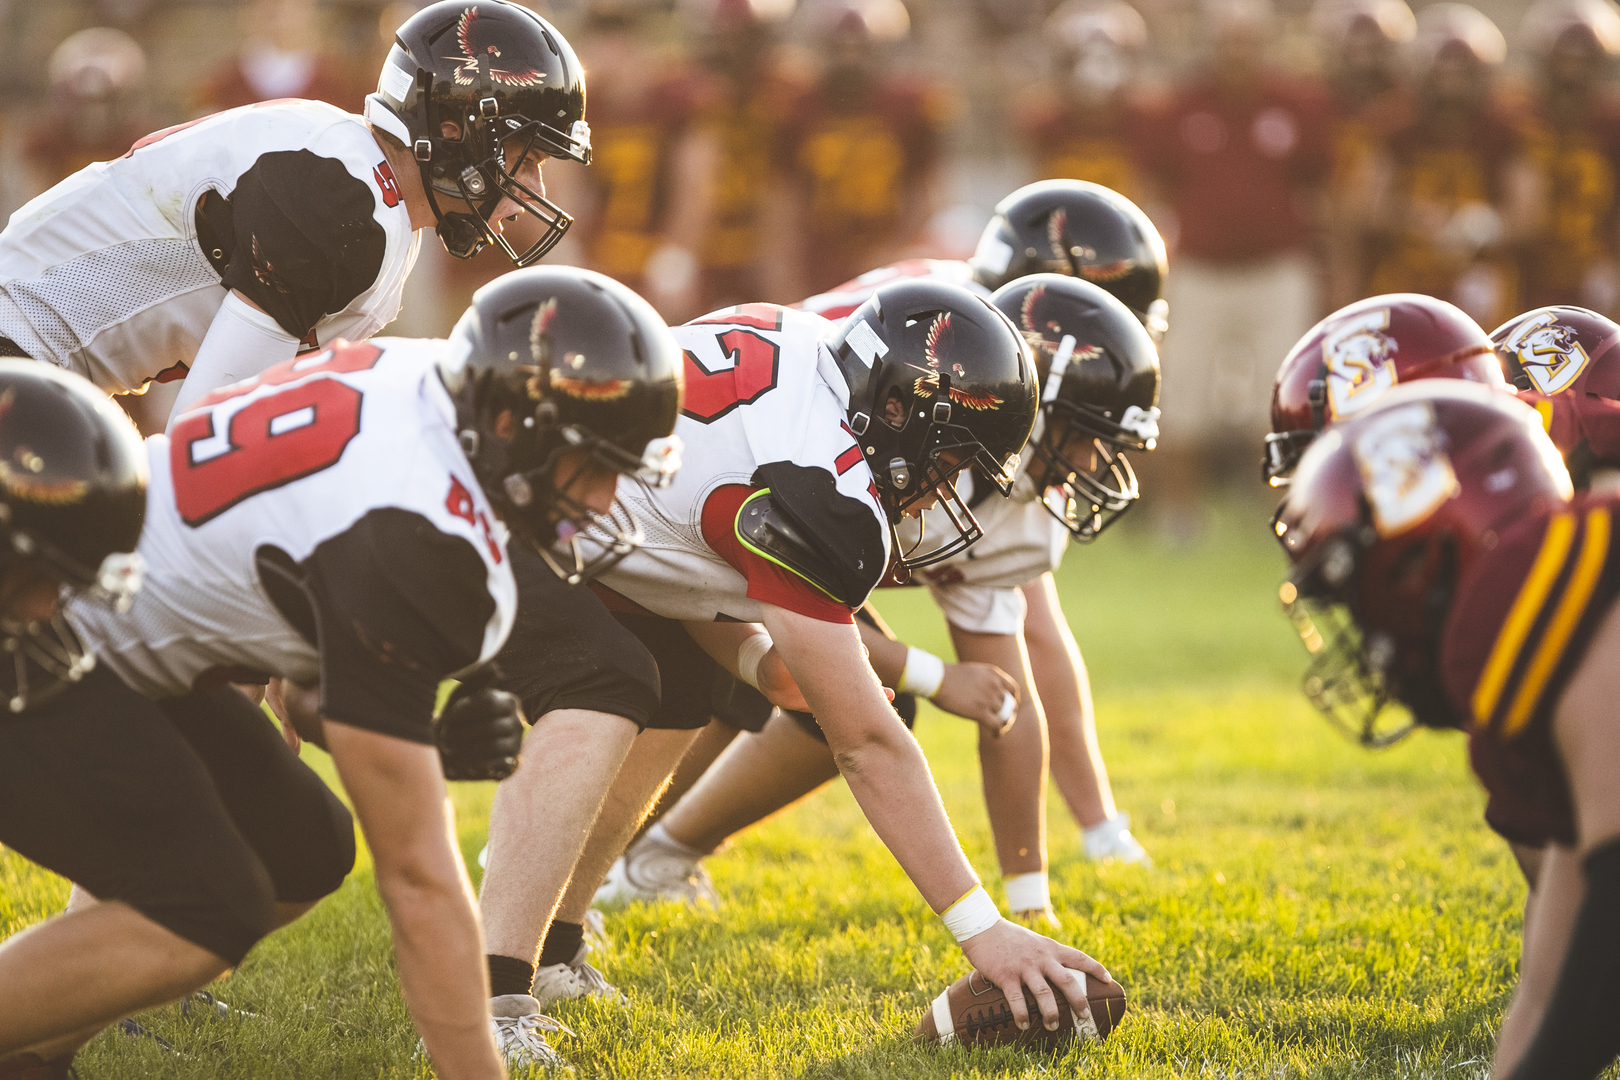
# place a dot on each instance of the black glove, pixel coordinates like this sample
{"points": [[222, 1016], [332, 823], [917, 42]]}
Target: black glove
{"points": [[479, 733]]}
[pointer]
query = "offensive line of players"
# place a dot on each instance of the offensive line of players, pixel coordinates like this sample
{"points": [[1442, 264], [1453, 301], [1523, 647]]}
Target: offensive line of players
{"points": [[359, 520]]}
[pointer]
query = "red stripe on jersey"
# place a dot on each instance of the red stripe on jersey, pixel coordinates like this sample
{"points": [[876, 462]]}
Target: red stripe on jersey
{"points": [[767, 582], [848, 460]]}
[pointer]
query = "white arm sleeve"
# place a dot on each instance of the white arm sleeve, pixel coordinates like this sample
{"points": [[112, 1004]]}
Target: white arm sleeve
{"points": [[241, 342]]}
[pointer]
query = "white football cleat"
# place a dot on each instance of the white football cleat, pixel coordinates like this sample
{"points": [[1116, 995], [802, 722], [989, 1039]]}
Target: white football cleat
{"points": [[653, 869], [1112, 842], [520, 1033], [575, 979], [596, 928]]}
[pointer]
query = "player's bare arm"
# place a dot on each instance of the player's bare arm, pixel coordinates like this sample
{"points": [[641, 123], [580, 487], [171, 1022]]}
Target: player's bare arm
{"points": [[425, 888], [889, 777]]}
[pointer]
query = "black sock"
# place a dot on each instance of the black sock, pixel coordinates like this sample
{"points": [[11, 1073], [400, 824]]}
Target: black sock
{"points": [[562, 942], [509, 976]]}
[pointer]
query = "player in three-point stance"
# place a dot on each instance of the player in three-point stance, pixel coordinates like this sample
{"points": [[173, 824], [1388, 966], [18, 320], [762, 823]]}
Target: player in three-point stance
{"points": [[340, 520], [1439, 522], [1099, 375], [1000, 602], [807, 444], [218, 248]]}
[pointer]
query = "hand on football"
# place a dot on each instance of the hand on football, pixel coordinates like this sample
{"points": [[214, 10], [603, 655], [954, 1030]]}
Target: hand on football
{"points": [[480, 733], [1009, 955], [979, 692]]}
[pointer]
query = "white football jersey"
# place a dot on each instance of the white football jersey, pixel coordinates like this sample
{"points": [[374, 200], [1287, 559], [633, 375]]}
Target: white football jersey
{"points": [[104, 275], [837, 303], [289, 459], [760, 388]]}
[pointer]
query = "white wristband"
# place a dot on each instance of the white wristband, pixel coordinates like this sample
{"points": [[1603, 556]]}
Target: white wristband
{"points": [[923, 674], [1028, 892], [972, 915], [749, 654]]}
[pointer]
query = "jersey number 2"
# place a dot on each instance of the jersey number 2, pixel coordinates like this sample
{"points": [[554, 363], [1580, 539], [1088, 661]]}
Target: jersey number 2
{"points": [[272, 441]]}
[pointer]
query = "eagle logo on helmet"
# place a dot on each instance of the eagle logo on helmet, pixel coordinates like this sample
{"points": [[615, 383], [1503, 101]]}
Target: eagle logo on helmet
{"points": [[1549, 352], [928, 385], [1358, 356], [478, 40]]}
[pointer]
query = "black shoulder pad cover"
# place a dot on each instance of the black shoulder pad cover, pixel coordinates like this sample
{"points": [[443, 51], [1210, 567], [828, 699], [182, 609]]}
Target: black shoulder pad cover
{"points": [[306, 241], [805, 524]]}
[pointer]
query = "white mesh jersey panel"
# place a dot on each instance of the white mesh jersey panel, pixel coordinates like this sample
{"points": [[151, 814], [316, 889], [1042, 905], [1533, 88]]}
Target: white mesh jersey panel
{"points": [[74, 301]]}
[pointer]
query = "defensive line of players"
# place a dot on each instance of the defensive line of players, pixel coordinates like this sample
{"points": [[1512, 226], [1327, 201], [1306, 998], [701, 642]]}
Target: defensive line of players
{"points": [[363, 520]]}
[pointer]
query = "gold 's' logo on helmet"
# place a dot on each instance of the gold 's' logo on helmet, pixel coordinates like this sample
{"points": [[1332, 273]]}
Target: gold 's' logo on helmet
{"points": [[928, 385], [1359, 359], [1549, 352], [481, 41]]}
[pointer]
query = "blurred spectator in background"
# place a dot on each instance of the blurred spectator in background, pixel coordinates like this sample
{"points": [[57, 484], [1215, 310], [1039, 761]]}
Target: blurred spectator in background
{"points": [[1241, 154], [93, 113], [1573, 140], [1084, 124], [1450, 191], [649, 156], [737, 44], [1359, 42], [280, 57], [860, 155]]}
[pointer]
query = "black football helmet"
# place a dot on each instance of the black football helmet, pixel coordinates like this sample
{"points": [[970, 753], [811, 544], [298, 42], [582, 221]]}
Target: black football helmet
{"points": [[1100, 392], [557, 358], [938, 380], [72, 502], [512, 85], [1083, 230]]}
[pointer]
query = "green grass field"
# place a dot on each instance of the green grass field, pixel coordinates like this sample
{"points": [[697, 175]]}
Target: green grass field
{"points": [[1315, 910]]}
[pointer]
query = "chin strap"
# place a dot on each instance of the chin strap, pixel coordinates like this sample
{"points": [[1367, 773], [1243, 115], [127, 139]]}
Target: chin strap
{"points": [[1579, 1037]]}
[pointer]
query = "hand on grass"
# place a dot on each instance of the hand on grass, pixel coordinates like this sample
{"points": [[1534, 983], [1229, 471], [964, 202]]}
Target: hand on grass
{"points": [[1009, 955], [979, 692]]}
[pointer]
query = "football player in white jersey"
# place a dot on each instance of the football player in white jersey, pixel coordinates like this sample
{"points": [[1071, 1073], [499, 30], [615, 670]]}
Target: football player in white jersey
{"points": [[1000, 600], [216, 249], [807, 444], [340, 520]]}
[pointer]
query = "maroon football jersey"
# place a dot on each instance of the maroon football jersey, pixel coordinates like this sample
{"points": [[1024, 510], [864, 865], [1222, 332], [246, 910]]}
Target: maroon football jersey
{"points": [[1518, 630]]}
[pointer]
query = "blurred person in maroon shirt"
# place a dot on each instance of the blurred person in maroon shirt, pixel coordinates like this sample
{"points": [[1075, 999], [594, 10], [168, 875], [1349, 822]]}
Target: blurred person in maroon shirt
{"points": [[1573, 140], [1450, 192], [860, 153], [1360, 43], [650, 156], [1085, 122], [92, 113], [280, 58], [737, 43], [1241, 153]]}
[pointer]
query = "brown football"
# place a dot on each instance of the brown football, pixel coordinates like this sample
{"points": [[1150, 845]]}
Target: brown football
{"points": [[974, 1011]]}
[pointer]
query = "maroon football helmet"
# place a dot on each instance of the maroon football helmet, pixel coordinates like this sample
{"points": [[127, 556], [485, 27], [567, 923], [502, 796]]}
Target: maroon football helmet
{"points": [[1350, 358], [1386, 512], [1554, 349]]}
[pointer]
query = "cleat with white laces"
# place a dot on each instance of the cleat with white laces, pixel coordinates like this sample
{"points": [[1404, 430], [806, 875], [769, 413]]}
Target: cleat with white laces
{"points": [[575, 979], [654, 869], [1112, 842], [520, 1033]]}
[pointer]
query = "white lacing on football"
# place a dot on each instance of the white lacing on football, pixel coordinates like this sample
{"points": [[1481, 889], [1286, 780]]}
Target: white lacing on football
{"points": [[520, 1032], [1084, 1023], [943, 1022]]}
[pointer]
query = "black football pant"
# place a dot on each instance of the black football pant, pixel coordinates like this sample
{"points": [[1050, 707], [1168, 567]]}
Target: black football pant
{"points": [[192, 811]]}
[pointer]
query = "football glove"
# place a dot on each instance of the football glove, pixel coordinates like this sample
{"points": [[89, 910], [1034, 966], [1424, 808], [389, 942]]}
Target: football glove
{"points": [[479, 733]]}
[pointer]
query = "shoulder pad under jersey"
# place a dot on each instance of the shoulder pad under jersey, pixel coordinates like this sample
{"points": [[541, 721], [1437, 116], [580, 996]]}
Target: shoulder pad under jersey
{"points": [[803, 523]]}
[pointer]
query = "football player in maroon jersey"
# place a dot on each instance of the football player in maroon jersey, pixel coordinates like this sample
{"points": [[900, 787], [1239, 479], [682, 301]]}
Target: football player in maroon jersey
{"points": [[1439, 562]]}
